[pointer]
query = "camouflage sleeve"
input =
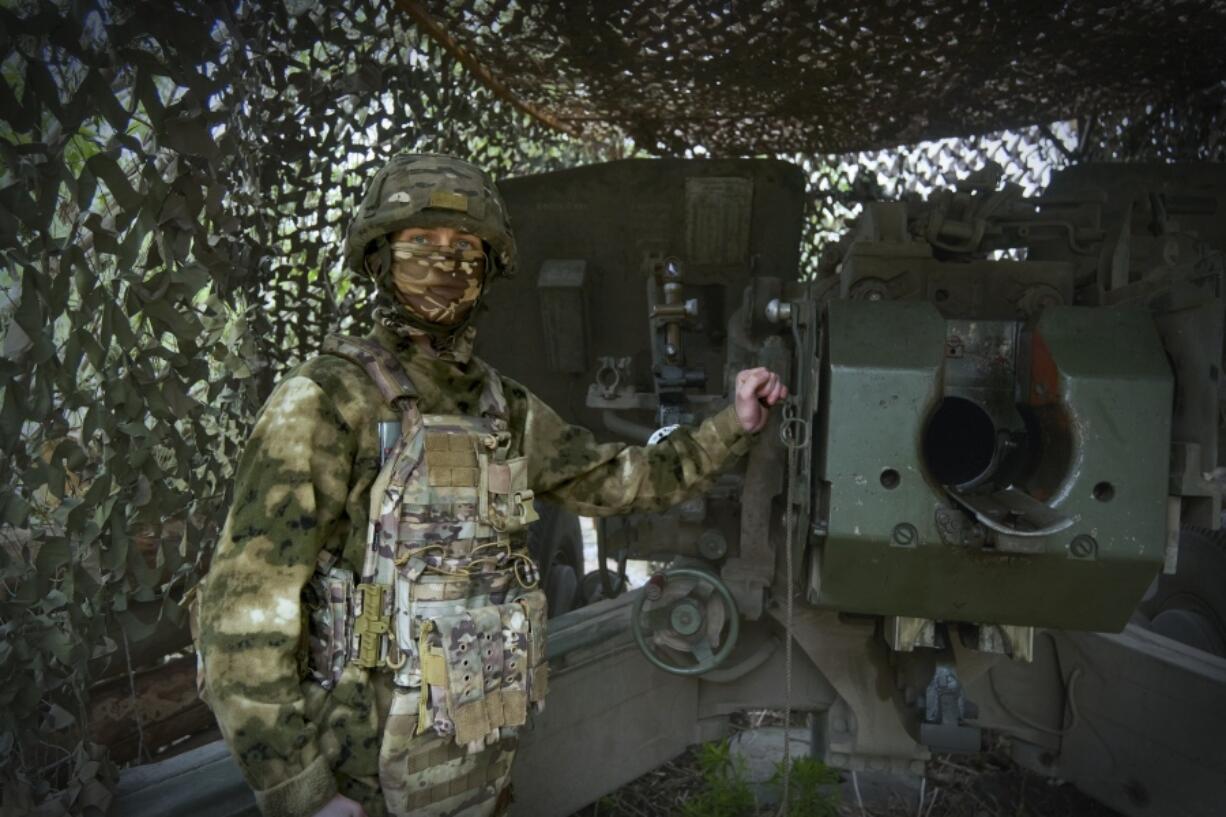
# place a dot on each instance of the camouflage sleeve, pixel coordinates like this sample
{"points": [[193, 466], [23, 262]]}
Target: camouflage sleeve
{"points": [[566, 464], [289, 491]]}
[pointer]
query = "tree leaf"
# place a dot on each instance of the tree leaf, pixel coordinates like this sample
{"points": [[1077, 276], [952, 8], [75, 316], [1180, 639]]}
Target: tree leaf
{"points": [[180, 403], [143, 492], [135, 628], [15, 510], [174, 322], [53, 555], [12, 414], [57, 716], [105, 167]]}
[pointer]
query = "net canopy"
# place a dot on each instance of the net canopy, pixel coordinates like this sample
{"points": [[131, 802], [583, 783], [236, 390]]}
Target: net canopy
{"points": [[831, 76]]}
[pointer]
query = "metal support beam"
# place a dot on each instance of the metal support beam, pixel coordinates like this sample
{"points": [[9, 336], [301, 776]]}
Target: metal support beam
{"points": [[1143, 719]]}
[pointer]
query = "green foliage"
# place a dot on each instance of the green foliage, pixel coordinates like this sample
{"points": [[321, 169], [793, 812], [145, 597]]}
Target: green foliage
{"points": [[727, 793], [813, 786]]}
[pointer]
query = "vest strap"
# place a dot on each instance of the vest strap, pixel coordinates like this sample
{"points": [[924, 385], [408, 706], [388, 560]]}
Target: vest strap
{"points": [[379, 364]]}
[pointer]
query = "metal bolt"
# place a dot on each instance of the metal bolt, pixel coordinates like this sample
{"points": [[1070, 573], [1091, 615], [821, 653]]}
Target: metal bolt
{"points": [[1083, 546], [685, 618], [778, 311], [712, 545], [691, 307], [904, 534]]}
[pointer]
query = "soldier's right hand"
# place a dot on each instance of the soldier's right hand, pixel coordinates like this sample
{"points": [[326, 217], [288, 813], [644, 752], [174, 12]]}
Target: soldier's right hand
{"points": [[756, 391], [341, 806]]}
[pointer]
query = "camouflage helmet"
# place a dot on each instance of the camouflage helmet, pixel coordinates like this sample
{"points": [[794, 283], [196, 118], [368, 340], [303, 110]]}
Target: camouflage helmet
{"points": [[431, 190]]}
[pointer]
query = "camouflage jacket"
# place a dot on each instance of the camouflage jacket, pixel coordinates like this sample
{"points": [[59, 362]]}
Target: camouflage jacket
{"points": [[303, 485]]}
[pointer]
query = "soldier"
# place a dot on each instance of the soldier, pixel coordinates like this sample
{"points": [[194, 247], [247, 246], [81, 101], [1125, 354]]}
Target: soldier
{"points": [[370, 632]]}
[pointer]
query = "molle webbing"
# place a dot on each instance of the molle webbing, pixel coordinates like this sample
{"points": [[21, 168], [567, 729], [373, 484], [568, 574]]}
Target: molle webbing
{"points": [[379, 364], [491, 767]]}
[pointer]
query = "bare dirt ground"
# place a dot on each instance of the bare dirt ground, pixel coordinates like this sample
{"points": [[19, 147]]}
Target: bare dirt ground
{"points": [[984, 785]]}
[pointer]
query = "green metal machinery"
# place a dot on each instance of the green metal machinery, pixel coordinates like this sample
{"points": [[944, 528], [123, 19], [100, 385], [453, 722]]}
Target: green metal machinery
{"points": [[1008, 405], [1005, 432]]}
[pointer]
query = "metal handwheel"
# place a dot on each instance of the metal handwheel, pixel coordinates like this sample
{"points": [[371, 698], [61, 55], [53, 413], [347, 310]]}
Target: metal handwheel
{"points": [[685, 611]]}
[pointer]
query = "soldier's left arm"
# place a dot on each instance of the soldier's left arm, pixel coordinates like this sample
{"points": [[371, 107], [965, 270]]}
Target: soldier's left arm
{"points": [[567, 465]]}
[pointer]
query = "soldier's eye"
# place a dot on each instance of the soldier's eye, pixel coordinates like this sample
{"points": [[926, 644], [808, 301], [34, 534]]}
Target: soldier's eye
{"points": [[419, 239], [463, 244]]}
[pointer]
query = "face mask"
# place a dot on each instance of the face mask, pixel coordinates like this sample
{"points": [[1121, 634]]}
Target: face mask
{"points": [[437, 283]]}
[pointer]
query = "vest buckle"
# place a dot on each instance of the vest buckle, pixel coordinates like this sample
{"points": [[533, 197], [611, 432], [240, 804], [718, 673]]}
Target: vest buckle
{"points": [[522, 508], [372, 625]]}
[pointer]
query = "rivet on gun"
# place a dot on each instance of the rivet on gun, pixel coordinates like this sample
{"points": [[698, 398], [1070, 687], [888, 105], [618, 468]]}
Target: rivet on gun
{"points": [[1083, 546], [904, 534]]}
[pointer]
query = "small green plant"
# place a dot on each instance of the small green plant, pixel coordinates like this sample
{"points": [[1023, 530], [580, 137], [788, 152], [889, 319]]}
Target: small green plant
{"points": [[727, 793], [814, 788]]}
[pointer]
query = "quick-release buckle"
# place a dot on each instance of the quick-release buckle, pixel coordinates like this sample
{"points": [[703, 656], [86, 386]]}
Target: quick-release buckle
{"points": [[522, 507], [372, 625], [521, 511]]}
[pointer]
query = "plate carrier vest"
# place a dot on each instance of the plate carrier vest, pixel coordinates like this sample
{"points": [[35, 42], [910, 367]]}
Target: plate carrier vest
{"points": [[447, 600]]}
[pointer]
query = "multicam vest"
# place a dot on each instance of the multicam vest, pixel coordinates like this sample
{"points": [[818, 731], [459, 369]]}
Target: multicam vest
{"points": [[447, 600]]}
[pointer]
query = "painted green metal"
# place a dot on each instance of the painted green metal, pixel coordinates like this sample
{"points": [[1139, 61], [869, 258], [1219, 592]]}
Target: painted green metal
{"points": [[691, 620], [1099, 381]]}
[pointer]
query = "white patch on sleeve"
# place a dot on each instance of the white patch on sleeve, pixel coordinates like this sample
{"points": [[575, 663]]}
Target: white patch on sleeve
{"points": [[294, 393], [286, 611]]}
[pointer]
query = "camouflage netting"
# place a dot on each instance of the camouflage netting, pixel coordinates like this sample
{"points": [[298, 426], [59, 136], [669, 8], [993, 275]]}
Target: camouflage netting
{"points": [[830, 76], [838, 85], [176, 182], [177, 176]]}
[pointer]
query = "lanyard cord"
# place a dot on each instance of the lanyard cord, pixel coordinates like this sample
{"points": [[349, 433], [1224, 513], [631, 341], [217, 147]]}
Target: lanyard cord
{"points": [[793, 433]]}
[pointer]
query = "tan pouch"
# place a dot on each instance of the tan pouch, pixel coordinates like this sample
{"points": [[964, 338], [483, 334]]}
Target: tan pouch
{"points": [[482, 667], [329, 598], [510, 500], [459, 640], [536, 608]]}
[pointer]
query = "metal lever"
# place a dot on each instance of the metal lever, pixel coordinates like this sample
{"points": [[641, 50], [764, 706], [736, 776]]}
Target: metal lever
{"points": [[1014, 513]]}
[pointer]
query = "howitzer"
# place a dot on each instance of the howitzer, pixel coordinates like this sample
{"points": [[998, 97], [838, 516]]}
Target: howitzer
{"points": [[1004, 409]]}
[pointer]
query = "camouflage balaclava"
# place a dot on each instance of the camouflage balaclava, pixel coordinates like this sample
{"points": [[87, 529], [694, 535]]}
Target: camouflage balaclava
{"points": [[439, 285], [421, 289]]}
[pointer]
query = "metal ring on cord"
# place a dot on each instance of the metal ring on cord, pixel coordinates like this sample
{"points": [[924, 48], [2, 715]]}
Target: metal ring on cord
{"points": [[794, 430]]}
